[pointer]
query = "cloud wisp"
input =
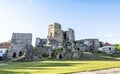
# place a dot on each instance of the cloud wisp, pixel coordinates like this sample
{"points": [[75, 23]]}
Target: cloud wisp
{"points": [[110, 35]]}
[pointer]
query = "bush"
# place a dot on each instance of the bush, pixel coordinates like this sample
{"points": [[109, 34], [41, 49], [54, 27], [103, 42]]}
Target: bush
{"points": [[45, 55], [56, 51]]}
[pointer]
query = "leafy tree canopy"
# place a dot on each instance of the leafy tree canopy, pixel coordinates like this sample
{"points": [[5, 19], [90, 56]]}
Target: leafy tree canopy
{"points": [[117, 46]]}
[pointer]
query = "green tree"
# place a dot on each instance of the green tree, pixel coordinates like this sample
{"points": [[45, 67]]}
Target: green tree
{"points": [[117, 46]]}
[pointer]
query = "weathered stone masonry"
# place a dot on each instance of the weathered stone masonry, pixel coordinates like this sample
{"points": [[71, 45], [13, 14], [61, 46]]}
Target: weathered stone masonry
{"points": [[18, 44]]}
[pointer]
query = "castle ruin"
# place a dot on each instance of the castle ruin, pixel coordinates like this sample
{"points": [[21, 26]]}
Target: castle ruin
{"points": [[56, 40]]}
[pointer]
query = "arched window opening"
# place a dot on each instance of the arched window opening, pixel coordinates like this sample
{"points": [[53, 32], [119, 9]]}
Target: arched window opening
{"points": [[78, 49], [20, 53], [14, 54], [60, 56]]}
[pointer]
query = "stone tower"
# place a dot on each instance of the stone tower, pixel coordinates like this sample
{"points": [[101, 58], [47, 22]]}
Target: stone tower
{"points": [[70, 35], [55, 32], [18, 44]]}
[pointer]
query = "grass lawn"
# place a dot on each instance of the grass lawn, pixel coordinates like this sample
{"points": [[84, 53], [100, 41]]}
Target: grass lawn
{"points": [[55, 67]]}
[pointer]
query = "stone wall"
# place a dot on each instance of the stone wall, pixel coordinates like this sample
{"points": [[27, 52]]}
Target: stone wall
{"points": [[18, 44], [91, 45], [40, 42]]}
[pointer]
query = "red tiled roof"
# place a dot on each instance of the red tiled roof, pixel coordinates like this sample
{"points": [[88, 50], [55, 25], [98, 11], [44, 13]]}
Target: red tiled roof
{"points": [[107, 44], [4, 45]]}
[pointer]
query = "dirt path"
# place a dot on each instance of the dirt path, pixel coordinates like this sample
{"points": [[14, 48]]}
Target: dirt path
{"points": [[107, 71]]}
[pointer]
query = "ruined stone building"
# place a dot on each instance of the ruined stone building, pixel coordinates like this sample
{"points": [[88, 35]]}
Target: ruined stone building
{"points": [[57, 40], [55, 32], [90, 45], [18, 44], [40, 42]]}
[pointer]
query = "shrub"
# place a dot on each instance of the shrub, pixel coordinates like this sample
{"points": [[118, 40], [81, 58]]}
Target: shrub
{"points": [[56, 51]]}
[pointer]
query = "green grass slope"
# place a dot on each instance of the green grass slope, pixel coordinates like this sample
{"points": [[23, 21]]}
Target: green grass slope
{"points": [[90, 61]]}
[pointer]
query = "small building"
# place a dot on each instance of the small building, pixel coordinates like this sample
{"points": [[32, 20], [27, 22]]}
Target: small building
{"points": [[4, 49], [3, 52], [107, 48]]}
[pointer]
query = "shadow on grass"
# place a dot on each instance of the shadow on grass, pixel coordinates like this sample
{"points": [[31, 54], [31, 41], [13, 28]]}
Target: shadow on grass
{"points": [[10, 72], [59, 64], [54, 64], [13, 71], [43, 66]]}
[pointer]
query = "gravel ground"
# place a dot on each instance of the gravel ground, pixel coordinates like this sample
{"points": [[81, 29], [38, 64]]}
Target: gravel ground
{"points": [[107, 71]]}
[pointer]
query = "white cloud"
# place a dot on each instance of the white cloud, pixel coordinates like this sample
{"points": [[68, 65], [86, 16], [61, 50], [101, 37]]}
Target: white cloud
{"points": [[110, 35]]}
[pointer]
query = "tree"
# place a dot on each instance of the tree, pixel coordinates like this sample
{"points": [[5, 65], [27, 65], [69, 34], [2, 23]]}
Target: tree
{"points": [[117, 46]]}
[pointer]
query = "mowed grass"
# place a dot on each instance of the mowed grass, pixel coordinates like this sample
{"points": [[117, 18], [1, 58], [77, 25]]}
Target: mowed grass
{"points": [[54, 67], [101, 61]]}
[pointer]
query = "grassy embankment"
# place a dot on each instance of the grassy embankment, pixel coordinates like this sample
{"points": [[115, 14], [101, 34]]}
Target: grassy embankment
{"points": [[89, 62]]}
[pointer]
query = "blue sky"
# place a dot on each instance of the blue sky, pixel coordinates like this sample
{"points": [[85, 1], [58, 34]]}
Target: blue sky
{"points": [[89, 18]]}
